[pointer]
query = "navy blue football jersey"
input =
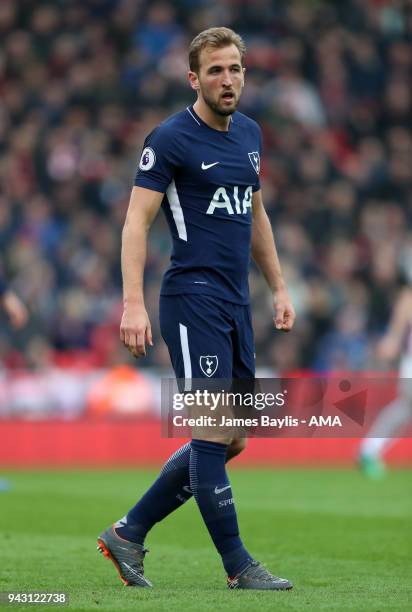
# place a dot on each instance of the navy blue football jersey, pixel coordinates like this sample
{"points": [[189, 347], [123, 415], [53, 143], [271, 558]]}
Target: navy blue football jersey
{"points": [[208, 178]]}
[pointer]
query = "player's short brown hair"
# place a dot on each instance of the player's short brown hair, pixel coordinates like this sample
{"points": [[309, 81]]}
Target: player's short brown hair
{"points": [[215, 38]]}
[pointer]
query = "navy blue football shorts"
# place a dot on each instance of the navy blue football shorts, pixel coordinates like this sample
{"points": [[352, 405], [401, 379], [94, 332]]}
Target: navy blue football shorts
{"points": [[207, 337]]}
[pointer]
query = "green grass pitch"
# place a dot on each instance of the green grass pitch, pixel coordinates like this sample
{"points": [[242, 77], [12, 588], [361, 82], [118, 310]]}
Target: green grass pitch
{"points": [[345, 542]]}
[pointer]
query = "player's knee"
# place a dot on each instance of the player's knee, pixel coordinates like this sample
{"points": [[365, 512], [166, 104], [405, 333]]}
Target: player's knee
{"points": [[220, 440], [236, 447]]}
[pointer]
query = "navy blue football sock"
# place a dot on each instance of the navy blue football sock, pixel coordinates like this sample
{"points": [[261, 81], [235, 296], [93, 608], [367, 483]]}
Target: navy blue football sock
{"points": [[212, 491], [168, 492]]}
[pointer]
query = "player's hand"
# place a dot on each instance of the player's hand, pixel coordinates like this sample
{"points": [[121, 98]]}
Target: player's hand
{"points": [[15, 309], [387, 348], [135, 329], [284, 312]]}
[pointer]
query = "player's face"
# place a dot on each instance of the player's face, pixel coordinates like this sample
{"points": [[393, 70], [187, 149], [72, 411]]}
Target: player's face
{"points": [[220, 78]]}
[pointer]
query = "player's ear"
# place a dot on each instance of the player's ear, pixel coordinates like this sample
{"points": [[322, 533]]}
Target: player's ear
{"points": [[193, 80]]}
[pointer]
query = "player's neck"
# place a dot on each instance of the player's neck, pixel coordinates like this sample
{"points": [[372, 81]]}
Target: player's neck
{"points": [[213, 120]]}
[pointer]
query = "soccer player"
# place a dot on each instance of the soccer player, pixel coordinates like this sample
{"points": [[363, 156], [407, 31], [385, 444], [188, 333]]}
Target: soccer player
{"points": [[202, 166], [398, 414]]}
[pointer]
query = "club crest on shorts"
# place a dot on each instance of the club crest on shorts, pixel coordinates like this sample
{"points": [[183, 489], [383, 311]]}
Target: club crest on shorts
{"points": [[255, 160], [208, 364]]}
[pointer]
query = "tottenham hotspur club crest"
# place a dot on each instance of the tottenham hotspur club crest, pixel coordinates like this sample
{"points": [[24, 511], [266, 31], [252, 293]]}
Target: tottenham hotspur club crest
{"points": [[208, 364], [255, 160]]}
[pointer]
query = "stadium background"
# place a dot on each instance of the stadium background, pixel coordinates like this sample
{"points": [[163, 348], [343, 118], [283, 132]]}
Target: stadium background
{"points": [[81, 84]]}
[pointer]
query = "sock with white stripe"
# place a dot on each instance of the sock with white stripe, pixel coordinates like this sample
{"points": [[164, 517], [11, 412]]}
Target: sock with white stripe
{"points": [[170, 491], [167, 493], [212, 491]]}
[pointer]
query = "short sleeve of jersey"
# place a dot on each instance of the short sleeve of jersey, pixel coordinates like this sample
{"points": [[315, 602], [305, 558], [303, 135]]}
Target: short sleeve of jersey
{"points": [[256, 186], [159, 160]]}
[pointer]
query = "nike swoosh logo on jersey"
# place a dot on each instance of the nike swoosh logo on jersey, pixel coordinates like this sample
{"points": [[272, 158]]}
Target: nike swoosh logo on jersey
{"points": [[217, 491], [207, 166]]}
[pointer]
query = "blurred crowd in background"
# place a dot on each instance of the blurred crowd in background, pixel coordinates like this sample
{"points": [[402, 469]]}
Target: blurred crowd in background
{"points": [[83, 83]]}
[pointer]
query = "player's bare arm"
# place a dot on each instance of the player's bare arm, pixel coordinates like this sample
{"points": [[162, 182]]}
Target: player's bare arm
{"points": [[390, 346], [135, 328], [265, 255]]}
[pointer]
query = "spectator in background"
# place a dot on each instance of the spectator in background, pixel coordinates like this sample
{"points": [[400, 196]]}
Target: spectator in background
{"points": [[12, 306]]}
